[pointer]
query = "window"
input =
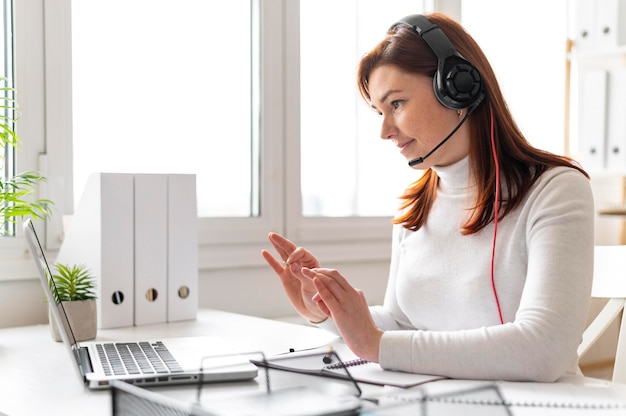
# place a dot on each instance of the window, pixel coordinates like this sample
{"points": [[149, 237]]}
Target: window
{"points": [[347, 170], [7, 153], [143, 99], [168, 91], [187, 99], [289, 147], [530, 64]]}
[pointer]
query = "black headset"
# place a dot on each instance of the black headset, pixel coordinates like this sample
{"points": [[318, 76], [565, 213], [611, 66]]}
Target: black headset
{"points": [[457, 83]]}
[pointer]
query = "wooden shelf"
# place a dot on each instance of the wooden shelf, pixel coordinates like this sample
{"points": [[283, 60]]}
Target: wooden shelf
{"points": [[613, 210]]}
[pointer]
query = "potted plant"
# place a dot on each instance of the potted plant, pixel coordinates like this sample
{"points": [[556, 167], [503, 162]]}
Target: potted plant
{"points": [[74, 290], [16, 191]]}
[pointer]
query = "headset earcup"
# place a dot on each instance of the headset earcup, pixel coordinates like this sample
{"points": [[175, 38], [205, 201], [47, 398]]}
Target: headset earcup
{"points": [[459, 87]]}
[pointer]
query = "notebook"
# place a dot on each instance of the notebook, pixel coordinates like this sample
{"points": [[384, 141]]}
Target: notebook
{"points": [[481, 400], [504, 398], [358, 369], [159, 362]]}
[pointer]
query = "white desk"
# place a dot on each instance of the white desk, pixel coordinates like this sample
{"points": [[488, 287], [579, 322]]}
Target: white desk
{"points": [[37, 376]]}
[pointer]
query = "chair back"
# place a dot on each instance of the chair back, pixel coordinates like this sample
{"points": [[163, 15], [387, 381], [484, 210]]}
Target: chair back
{"points": [[609, 282]]}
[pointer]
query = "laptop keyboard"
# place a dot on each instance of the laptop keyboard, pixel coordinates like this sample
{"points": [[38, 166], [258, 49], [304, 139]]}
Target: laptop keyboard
{"points": [[122, 358]]}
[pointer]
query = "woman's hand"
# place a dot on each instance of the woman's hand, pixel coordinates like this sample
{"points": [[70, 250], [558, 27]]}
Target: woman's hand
{"points": [[299, 288], [349, 310]]}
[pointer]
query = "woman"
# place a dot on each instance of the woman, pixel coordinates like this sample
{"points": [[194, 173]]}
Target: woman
{"points": [[492, 251]]}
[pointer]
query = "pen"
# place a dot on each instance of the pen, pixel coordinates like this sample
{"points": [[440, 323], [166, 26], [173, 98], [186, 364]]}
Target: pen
{"points": [[328, 357], [291, 350]]}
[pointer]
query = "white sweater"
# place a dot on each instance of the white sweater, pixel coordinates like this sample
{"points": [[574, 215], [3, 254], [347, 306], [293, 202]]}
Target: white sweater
{"points": [[440, 315]]}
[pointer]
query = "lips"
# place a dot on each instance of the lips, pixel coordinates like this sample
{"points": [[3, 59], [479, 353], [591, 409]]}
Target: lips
{"points": [[404, 145]]}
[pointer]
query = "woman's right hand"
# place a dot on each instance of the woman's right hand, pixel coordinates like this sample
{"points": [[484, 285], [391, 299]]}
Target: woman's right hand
{"points": [[299, 288]]}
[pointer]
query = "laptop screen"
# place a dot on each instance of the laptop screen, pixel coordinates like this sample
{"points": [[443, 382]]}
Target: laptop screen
{"points": [[45, 273]]}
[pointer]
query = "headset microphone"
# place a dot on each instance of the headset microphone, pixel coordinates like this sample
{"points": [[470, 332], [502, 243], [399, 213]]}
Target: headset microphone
{"points": [[419, 160]]}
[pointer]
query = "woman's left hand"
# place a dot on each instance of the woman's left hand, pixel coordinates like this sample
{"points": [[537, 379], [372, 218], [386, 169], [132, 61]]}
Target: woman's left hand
{"points": [[348, 308]]}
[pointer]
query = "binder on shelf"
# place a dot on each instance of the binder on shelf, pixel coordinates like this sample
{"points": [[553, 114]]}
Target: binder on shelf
{"points": [[593, 103], [138, 234], [610, 30], [182, 274], [100, 236], [150, 218], [616, 122], [598, 25], [585, 25]]}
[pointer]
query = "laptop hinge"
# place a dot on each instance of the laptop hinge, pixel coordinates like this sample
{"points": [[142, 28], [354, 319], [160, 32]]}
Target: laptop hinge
{"points": [[83, 360]]}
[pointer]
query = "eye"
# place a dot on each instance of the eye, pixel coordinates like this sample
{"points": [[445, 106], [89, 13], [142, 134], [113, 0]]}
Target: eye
{"points": [[395, 104]]}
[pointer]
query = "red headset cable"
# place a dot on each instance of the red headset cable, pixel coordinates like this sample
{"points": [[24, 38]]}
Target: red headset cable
{"points": [[495, 213]]}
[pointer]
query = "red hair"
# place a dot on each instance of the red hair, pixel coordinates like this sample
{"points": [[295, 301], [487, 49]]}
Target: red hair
{"points": [[520, 163]]}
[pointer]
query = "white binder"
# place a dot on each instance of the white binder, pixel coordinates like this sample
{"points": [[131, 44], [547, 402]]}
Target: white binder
{"points": [[138, 234], [593, 103], [586, 32], [609, 24], [182, 276], [150, 248], [599, 25], [616, 121], [101, 236]]}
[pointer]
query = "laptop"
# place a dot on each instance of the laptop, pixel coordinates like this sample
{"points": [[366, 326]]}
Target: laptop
{"points": [[166, 361]]}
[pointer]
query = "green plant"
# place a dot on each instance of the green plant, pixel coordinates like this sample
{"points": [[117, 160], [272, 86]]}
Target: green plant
{"points": [[16, 191], [72, 283]]}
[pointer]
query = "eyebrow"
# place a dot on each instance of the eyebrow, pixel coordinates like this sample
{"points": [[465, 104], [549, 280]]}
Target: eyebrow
{"points": [[387, 94]]}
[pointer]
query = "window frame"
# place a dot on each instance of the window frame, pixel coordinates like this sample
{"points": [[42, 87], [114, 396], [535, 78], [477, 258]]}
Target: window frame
{"points": [[332, 239], [15, 261], [44, 93]]}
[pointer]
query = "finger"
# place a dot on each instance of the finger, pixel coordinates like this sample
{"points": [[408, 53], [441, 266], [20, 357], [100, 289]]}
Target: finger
{"points": [[299, 254], [295, 278], [276, 265], [328, 291], [330, 276], [283, 246], [324, 292], [321, 305], [296, 271]]}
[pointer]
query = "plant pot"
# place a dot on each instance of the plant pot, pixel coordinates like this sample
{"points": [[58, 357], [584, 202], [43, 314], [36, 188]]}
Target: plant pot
{"points": [[82, 315]]}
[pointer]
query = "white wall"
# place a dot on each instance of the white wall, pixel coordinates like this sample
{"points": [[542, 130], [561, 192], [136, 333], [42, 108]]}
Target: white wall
{"points": [[233, 290], [22, 302]]}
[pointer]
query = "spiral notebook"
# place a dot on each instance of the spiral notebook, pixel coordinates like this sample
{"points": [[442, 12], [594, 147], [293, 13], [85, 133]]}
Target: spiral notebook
{"points": [[501, 399], [573, 394], [307, 362], [480, 401]]}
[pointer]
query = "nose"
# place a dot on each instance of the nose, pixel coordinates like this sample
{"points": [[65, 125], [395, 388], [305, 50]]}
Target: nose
{"points": [[388, 129]]}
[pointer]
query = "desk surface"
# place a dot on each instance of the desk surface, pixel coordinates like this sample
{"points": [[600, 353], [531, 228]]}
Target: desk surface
{"points": [[37, 376]]}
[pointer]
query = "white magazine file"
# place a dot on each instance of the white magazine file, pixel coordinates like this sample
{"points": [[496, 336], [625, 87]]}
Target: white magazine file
{"points": [[137, 233]]}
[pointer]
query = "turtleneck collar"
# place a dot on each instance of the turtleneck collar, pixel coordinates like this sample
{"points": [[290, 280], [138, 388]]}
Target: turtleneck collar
{"points": [[455, 176]]}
